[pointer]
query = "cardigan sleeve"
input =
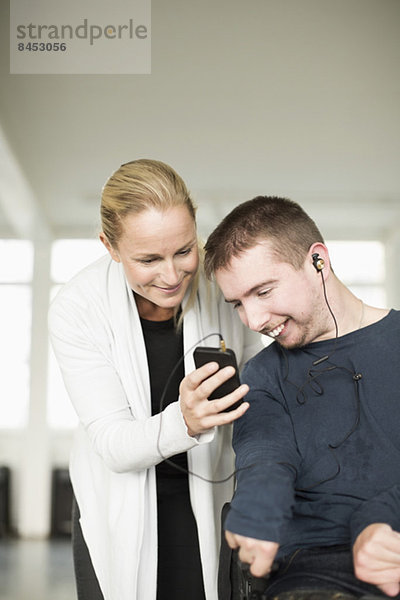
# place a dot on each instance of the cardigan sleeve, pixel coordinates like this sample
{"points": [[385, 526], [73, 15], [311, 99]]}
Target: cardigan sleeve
{"points": [[97, 394]]}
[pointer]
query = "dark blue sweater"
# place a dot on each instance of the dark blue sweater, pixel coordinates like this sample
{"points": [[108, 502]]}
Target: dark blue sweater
{"points": [[319, 451]]}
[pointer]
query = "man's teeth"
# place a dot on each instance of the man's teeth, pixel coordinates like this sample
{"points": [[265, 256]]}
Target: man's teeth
{"points": [[275, 332]]}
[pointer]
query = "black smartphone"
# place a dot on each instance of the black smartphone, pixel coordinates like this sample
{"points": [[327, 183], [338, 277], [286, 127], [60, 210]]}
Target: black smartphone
{"points": [[203, 355]]}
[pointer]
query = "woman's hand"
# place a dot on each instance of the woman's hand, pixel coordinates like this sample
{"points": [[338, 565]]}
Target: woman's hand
{"points": [[201, 414], [376, 557]]}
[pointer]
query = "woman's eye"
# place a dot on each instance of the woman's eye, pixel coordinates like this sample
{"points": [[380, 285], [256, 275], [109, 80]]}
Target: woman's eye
{"points": [[185, 252], [263, 293], [147, 261]]}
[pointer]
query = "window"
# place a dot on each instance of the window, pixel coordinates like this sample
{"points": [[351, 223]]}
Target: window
{"points": [[70, 256], [16, 269], [361, 266], [67, 258]]}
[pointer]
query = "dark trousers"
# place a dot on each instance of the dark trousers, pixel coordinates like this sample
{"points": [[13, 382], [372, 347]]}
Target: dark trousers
{"points": [[324, 568], [87, 586], [325, 572], [179, 574], [179, 567]]}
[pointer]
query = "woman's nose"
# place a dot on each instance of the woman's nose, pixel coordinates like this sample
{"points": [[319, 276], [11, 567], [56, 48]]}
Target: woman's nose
{"points": [[170, 273]]}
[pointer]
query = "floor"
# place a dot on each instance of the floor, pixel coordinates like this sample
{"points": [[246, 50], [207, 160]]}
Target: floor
{"points": [[36, 570]]}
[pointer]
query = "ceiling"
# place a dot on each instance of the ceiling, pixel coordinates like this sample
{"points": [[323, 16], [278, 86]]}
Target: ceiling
{"points": [[299, 98]]}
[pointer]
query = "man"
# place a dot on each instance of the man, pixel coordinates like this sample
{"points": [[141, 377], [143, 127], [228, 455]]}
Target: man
{"points": [[318, 451]]}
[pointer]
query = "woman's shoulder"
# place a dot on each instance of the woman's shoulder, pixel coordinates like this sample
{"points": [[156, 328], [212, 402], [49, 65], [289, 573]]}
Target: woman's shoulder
{"points": [[85, 291], [90, 278]]}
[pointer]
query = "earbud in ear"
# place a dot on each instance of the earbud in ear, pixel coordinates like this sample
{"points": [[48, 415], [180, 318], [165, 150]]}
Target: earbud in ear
{"points": [[318, 262]]}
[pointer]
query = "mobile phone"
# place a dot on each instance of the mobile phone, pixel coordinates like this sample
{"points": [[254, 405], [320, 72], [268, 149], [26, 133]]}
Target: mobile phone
{"points": [[203, 355]]}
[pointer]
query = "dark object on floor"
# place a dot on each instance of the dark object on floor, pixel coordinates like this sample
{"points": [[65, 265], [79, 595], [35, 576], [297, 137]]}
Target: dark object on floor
{"points": [[4, 501]]}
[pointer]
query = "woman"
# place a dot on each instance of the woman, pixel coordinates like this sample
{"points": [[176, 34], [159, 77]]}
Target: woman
{"points": [[118, 330]]}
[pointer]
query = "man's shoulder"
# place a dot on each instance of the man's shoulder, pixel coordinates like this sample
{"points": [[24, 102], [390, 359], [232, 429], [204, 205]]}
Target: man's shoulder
{"points": [[374, 315], [382, 320]]}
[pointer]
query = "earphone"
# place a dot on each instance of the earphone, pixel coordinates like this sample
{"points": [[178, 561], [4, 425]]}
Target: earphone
{"points": [[318, 262]]}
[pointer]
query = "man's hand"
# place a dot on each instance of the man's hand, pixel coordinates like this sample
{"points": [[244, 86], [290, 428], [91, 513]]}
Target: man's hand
{"points": [[257, 553], [376, 556], [201, 414]]}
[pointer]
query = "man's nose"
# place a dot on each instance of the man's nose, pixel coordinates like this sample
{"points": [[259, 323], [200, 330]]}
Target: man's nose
{"points": [[255, 317]]}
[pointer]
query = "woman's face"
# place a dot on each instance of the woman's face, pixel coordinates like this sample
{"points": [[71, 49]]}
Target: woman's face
{"points": [[158, 250]]}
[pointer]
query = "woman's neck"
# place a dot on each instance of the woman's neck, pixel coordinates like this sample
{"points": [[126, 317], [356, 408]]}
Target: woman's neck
{"points": [[152, 312]]}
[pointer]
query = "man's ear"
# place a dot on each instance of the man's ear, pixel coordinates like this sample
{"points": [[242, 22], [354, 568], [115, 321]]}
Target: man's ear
{"points": [[318, 257], [113, 253]]}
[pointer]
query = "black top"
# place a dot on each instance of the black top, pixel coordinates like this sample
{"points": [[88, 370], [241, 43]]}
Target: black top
{"points": [[164, 347]]}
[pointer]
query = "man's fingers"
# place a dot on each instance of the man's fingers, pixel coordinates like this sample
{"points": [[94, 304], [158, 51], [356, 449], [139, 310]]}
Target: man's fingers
{"points": [[231, 539], [256, 553], [376, 555], [260, 567], [391, 589]]}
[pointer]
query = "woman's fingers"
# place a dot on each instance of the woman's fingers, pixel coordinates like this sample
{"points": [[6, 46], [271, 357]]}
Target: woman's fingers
{"points": [[202, 414], [192, 381], [207, 378]]}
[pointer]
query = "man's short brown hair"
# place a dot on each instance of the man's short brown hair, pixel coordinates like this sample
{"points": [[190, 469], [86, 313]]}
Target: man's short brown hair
{"points": [[264, 218]]}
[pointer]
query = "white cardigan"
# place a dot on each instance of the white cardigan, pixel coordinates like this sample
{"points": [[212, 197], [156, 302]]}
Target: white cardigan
{"points": [[97, 338]]}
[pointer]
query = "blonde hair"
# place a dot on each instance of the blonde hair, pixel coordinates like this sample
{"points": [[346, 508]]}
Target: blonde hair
{"points": [[140, 185]]}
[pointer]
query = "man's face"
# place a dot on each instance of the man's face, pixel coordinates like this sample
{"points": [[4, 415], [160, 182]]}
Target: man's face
{"points": [[274, 298]]}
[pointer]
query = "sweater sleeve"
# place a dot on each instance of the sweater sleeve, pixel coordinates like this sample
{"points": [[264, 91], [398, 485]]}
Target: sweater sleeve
{"points": [[382, 508], [97, 394], [266, 461]]}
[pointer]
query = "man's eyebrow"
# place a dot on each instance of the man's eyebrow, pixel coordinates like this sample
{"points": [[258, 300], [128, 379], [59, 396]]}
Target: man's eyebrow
{"points": [[252, 290]]}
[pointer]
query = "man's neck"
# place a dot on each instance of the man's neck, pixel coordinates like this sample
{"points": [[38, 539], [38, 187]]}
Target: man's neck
{"points": [[351, 312]]}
